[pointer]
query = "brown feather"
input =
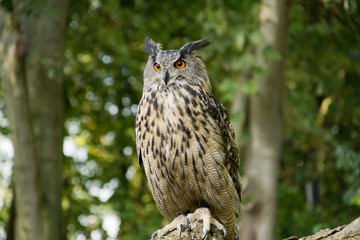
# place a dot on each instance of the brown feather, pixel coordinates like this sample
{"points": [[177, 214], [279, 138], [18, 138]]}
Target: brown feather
{"points": [[186, 143]]}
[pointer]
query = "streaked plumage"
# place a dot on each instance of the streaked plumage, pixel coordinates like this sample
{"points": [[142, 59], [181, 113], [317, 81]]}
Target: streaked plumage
{"points": [[184, 138]]}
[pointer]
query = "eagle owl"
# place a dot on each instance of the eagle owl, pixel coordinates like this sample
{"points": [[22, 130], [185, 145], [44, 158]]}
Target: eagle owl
{"points": [[185, 142]]}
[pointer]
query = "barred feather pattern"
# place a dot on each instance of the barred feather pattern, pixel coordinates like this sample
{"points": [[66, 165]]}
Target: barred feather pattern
{"points": [[187, 147]]}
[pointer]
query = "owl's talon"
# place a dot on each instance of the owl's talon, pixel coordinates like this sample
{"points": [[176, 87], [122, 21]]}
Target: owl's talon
{"points": [[187, 221], [203, 237], [176, 224], [204, 214], [154, 234], [180, 227]]}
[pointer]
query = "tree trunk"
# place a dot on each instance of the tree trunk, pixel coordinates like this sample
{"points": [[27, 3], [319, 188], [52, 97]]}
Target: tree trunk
{"points": [[240, 106], [263, 153], [32, 56]]}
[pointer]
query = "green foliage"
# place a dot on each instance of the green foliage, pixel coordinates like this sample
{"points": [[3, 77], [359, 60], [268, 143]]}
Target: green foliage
{"points": [[349, 161], [321, 123]]}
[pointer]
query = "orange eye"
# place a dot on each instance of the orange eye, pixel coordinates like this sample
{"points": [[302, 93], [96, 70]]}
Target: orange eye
{"points": [[156, 66], [180, 64]]}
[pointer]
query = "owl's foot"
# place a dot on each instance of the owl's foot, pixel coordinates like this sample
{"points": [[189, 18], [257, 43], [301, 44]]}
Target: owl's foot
{"points": [[177, 224], [203, 213]]}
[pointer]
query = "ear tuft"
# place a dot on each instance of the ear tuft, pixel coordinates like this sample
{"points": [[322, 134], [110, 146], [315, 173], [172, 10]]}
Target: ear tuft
{"points": [[193, 46], [151, 47]]}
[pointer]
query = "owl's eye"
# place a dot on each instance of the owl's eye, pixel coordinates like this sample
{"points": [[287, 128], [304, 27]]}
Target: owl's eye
{"points": [[156, 66], [180, 64]]}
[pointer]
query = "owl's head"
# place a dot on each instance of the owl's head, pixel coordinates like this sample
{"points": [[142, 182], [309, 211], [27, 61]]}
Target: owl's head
{"points": [[169, 69]]}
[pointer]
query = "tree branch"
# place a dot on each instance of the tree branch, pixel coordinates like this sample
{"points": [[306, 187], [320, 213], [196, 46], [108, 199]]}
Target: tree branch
{"points": [[193, 232], [348, 232]]}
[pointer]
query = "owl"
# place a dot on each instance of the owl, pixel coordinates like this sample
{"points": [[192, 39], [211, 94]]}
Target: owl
{"points": [[185, 142]]}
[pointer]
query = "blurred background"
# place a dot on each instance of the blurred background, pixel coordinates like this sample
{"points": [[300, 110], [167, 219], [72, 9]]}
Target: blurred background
{"points": [[105, 193]]}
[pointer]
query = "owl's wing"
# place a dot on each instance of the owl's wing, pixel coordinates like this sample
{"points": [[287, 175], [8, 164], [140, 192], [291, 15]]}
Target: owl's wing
{"points": [[137, 135], [141, 164], [232, 160]]}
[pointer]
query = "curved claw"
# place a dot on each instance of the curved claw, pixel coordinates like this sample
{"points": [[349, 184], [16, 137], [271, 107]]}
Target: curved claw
{"points": [[180, 227], [187, 221], [205, 215], [176, 224], [154, 234], [205, 233], [224, 232]]}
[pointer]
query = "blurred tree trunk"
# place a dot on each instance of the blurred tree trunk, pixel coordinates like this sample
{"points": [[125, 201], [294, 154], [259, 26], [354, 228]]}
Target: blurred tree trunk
{"points": [[32, 56], [265, 119], [240, 105]]}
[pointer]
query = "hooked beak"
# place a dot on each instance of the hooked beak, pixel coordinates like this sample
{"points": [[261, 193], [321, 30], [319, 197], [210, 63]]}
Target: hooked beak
{"points": [[166, 76]]}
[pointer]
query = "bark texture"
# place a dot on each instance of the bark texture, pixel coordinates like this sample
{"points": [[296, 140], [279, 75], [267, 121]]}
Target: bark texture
{"points": [[32, 43], [195, 231], [348, 232], [265, 119]]}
